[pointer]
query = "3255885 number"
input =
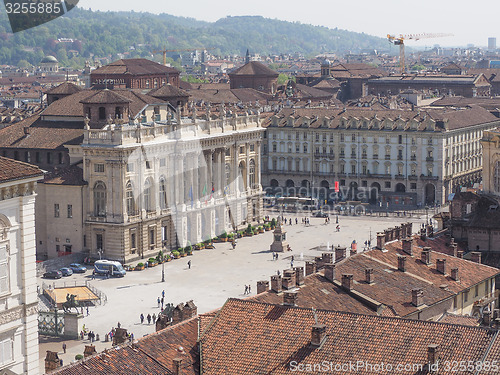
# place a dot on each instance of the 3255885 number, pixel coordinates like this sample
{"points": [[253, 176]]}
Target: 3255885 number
{"points": [[33, 8]]}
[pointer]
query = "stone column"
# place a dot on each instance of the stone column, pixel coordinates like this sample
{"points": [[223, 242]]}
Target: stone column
{"points": [[210, 181], [257, 162]]}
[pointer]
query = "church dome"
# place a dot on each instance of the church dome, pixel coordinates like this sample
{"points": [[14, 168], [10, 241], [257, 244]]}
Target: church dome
{"points": [[49, 59]]}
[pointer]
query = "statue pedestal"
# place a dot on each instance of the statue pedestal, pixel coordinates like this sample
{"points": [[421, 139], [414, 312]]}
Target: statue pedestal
{"points": [[279, 244], [72, 326]]}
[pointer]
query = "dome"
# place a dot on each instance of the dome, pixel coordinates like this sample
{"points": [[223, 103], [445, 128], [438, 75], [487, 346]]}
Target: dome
{"points": [[326, 62], [49, 59]]}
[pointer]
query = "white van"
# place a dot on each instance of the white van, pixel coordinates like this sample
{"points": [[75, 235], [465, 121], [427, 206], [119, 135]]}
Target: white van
{"points": [[109, 267]]}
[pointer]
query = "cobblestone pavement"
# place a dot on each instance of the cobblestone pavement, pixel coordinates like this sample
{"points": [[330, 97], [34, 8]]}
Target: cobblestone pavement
{"points": [[215, 275]]}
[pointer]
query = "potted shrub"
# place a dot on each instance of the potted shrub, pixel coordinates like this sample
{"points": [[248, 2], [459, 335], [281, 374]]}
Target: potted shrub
{"points": [[160, 258], [152, 262], [182, 252], [273, 223], [223, 236], [261, 229], [79, 357], [267, 227], [189, 249], [139, 267], [249, 231], [168, 258], [176, 254]]}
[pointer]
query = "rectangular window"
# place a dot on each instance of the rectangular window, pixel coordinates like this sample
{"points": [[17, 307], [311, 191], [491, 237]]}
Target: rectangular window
{"points": [[27, 157], [148, 164], [152, 238], [6, 351], [400, 139], [70, 211], [162, 162], [58, 248], [99, 168], [37, 157], [275, 147], [486, 288], [387, 184], [476, 291], [98, 241], [133, 242], [466, 296], [164, 235], [252, 147], [413, 186], [130, 167], [56, 210], [4, 269], [49, 158], [60, 157], [242, 150]]}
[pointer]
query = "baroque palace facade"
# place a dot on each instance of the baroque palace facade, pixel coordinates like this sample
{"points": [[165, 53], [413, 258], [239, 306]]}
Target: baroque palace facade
{"points": [[159, 184], [397, 157]]}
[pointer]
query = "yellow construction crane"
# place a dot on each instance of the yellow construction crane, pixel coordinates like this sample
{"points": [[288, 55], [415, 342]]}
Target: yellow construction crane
{"points": [[400, 41], [164, 52]]}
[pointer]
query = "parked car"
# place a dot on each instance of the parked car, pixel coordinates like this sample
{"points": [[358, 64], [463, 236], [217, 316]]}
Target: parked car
{"points": [[66, 271], [55, 274], [321, 214], [78, 268]]}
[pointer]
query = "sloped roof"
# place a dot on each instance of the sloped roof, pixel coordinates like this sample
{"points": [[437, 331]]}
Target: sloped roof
{"points": [[134, 67], [105, 97], [254, 68], [167, 90], [65, 88], [256, 338], [71, 176], [11, 170]]}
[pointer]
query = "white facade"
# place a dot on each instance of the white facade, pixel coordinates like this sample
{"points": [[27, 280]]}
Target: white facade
{"points": [[18, 297]]}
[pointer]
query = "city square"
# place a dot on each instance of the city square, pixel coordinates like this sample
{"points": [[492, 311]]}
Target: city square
{"points": [[215, 275]]}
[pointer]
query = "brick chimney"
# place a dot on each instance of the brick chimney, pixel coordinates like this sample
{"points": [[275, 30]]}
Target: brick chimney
{"points": [[177, 364], [262, 286], [288, 281], [330, 272], [433, 354], [454, 249], [318, 334], [425, 256], [380, 240], [487, 318], [276, 283], [407, 246], [417, 297], [340, 253], [327, 258], [460, 254], [454, 274], [299, 275], [290, 298], [441, 266], [347, 281], [475, 256], [310, 268], [402, 263], [369, 275]]}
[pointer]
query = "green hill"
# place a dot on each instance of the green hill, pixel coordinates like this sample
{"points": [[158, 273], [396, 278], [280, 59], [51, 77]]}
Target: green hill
{"points": [[106, 34]]}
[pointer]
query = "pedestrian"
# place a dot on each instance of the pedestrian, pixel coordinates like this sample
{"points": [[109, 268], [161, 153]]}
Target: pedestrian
{"points": [[93, 275], [64, 347], [246, 289], [291, 263], [119, 325], [278, 272], [146, 265], [81, 335], [277, 256], [189, 264], [158, 300], [154, 318], [293, 258], [249, 289], [163, 293], [162, 303], [142, 318], [88, 311], [149, 319]]}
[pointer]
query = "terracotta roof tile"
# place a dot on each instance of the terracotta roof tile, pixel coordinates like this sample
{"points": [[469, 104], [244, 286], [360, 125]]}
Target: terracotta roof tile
{"points": [[11, 170], [252, 338], [65, 88], [459, 319], [254, 68]]}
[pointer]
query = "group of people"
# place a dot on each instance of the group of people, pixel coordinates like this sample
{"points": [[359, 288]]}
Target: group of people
{"points": [[305, 221], [248, 289], [149, 318], [162, 299], [275, 256], [90, 335]]}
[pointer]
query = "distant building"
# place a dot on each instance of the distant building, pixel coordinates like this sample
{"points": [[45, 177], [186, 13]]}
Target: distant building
{"points": [[254, 75], [49, 64], [492, 44], [134, 74], [18, 295]]}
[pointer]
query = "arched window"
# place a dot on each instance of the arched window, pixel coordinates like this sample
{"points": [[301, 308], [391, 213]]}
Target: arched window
{"points": [[129, 196], [163, 194], [100, 199]]}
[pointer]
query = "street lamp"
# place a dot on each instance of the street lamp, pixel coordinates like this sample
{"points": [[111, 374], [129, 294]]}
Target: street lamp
{"points": [[163, 271]]}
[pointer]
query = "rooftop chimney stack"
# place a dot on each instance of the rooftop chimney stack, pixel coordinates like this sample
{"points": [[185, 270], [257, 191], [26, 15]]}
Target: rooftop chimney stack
{"points": [[441, 266], [262, 286], [454, 274], [299, 275], [290, 298], [433, 354], [380, 240], [310, 268], [288, 281], [330, 272], [318, 334], [177, 366], [347, 281], [407, 246], [476, 257], [417, 297], [425, 256], [401, 263], [327, 258], [460, 254], [340, 253], [276, 283], [369, 275], [454, 249]]}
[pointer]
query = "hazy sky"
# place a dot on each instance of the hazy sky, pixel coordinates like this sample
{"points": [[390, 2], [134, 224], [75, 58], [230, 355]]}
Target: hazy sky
{"points": [[469, 24]]}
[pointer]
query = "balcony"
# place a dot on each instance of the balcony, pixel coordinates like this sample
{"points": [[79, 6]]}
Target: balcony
{"points": [[412, 177], [429, 158], [342, 155], [423, 177], [375, 156], [387, 157], [399, 177], [413, 158]]}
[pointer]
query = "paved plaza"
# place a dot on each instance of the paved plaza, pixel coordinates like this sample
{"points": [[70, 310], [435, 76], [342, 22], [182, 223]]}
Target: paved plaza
{"points": [[215, 275]]}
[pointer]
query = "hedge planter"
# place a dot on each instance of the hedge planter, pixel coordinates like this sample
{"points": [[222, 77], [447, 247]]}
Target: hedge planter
{"points": [[139, 267]]}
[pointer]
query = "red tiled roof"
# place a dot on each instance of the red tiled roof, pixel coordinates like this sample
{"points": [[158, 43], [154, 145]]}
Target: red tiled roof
{"points": [[254, 68], [65, 88], [134, 67], [247, 337], [459, 319], [167, 90], [72, 176], [11, 170], [105, 97]]}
